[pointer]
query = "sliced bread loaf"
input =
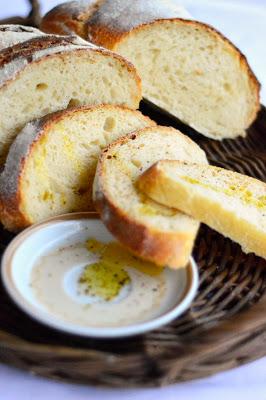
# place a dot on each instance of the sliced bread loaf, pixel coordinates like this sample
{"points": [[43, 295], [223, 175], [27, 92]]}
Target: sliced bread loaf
{"points": [[48, 73], [187, 68], [231, 203], [151, 231], [51, 164]]}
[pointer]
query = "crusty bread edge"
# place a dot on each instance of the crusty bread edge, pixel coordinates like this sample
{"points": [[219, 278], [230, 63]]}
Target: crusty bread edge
{"points": [[10, 214], [159, 247], [66, 18], [160, 187]]}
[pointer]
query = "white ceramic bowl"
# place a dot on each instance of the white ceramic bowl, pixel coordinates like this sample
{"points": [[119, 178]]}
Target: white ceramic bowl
{"points": [[22, 253]]}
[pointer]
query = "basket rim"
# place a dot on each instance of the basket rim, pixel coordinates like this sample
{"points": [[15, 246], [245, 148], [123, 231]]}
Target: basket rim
{"points": [[252, 319]]}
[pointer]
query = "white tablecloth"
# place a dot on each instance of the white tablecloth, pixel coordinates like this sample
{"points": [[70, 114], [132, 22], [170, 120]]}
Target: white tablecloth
{"points": [[243, 21]]}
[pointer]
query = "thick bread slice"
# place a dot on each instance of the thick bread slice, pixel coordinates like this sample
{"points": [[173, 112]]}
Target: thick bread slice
{"points": [[51, 164], [205, 81], [231, 203], [49, 73], [151, 231]]}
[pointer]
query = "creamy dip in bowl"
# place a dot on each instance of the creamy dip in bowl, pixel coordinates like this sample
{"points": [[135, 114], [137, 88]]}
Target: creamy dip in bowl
{"points": [[70, 273]]}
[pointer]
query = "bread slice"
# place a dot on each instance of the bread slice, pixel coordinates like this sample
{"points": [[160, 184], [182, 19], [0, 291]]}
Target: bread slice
{"points": [[231, 203], [187, 67], [49, 73], [51, 164], [151, 231]]}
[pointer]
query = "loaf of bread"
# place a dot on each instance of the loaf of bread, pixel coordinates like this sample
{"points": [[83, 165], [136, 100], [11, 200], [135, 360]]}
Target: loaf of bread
{"points": [[47, 73], [231, 203], [187, 68], [151, 231], [51, 164]]}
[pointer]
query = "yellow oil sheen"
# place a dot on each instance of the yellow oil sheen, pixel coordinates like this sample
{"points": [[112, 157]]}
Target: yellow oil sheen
{"points": [[106, 277], [242, 192]]}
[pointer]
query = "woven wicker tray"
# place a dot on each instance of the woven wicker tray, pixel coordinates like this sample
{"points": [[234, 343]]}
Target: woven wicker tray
{"points": [[225, 326]]}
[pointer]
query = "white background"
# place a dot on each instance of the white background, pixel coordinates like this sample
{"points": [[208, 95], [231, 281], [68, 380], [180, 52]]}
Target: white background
{"points": [[244, 22]]}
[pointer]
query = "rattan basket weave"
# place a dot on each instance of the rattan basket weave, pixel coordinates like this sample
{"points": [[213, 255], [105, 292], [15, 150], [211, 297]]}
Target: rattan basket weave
{"points": [[223, 328]]}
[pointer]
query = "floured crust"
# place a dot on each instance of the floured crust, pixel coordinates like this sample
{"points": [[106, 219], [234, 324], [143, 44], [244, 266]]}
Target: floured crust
{"points": [[14, 59], [117, 15], [116, 18], [69, 18], [19, 29], [14, 34], [17, 46]]}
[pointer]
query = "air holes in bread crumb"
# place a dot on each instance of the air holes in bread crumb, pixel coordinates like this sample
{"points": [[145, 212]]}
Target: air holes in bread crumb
{"points": [[73, 103], [41, 86], [114, 92], [28, 108], [227, 87], [136, 162], [109, 124], [155, 54], [106, 81]]}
